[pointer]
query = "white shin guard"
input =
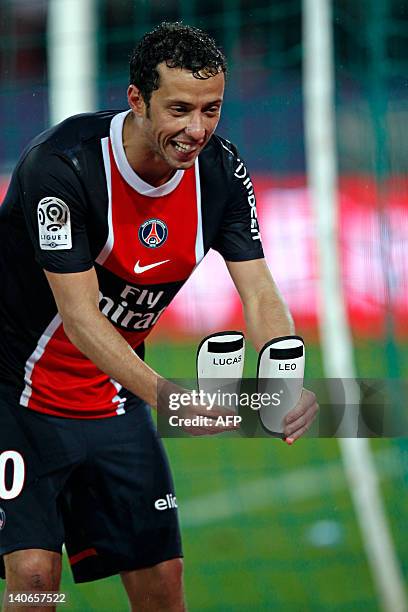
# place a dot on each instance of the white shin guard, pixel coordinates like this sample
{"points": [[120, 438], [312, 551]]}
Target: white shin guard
{"points": [[220, 363], [281, 366]]}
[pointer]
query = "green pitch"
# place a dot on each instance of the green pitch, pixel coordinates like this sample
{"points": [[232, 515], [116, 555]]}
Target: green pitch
{"points": [[268, 527]]}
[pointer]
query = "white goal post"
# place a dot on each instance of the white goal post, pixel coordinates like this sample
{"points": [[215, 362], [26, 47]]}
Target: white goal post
{"points": [[71, 57], [337, 348]]}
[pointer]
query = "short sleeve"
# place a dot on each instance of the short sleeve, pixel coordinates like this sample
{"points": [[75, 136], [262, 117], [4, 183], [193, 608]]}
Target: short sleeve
{"points": [[239, 237], [54, 207]]}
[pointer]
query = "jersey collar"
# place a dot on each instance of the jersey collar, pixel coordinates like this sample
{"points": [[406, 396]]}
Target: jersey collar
{"points": [[125, 169]]}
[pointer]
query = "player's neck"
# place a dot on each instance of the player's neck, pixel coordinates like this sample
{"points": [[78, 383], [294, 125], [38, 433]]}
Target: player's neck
{"points": [[146, 163]]}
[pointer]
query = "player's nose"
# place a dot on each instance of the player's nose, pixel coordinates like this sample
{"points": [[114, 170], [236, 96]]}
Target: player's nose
{"points": [[195, 131]]}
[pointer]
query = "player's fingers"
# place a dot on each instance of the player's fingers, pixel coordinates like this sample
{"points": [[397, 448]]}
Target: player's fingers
{"points": [[215, 425], [197, 432], [297, 428], [303, 429], [210, 421], [293, 437], [305, 419], [307, 400], [209, 431]]}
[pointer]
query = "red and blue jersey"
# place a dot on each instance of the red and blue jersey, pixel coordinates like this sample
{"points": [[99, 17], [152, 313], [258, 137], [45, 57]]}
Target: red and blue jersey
{"points": [[74, 203]]}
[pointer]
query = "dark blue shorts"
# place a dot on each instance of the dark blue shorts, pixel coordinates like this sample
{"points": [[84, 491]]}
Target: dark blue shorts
{"points": [[101, 486]]}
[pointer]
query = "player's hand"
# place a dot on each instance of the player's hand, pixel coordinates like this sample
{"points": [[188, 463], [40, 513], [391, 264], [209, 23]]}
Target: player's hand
{"points": [[200, 420], [298, 420], [193, 417]]}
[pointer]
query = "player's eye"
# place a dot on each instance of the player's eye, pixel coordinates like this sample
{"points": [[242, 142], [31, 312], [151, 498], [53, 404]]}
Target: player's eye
{"points": [[178, 110], [214, 110]]}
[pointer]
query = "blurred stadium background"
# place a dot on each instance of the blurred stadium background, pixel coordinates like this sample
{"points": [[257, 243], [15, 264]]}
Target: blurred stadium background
{"points": [[265, 527]]}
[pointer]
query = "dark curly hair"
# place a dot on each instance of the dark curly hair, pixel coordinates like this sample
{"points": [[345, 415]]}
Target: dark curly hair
{"points": [[179, 46]]}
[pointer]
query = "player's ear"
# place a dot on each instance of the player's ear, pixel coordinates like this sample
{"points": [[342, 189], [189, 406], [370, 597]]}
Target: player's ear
{"points": [[136, 101]]}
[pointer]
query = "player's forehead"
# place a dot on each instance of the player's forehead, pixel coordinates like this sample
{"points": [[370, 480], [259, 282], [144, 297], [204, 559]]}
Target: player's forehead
{"points": [[178, 84]]}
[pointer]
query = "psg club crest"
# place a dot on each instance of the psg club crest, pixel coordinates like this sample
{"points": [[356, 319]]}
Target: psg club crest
{"points": [[153, 233], [2, 519]]}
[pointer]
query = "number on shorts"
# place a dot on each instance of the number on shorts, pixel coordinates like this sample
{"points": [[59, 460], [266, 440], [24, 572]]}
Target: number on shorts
{"points": [[18, 474]]}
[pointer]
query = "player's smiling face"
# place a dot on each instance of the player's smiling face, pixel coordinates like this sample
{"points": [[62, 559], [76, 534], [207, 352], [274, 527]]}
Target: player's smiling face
{"points": [[182, 116]]}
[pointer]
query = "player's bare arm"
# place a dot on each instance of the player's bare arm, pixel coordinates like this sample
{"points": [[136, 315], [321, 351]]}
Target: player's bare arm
{"points": [[77, 299], [267, 316]]}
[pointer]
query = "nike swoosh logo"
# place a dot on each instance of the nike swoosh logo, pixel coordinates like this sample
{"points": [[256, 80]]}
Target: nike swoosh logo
{"points": [[140, 269]]}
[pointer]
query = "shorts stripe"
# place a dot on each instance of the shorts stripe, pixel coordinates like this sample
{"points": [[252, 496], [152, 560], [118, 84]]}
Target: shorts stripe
{"points": [[84, 554]]}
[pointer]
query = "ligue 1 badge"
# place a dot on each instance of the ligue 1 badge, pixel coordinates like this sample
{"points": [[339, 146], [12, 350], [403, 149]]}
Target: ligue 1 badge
{"points": [[2, 519], [153, 233]]}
